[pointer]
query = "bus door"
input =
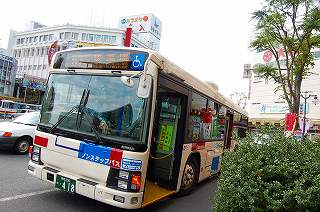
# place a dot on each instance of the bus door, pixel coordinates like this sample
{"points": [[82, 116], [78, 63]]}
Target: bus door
{"points": [[166, 147], [229, 130]]}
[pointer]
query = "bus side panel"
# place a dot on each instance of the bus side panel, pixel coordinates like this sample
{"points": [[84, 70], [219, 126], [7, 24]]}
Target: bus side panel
{"points": [[184, 157], [210, 156]]}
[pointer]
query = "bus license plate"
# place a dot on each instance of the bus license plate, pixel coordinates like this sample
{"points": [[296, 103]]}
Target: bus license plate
{"points": [[66, 184]]}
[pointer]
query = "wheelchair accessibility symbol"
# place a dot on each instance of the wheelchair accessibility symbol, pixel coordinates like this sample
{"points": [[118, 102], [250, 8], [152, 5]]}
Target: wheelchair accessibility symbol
{"points": [[137, 61]]}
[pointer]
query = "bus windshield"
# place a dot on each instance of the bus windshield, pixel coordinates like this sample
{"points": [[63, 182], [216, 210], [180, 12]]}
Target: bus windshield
{"points": [[112, 107]]}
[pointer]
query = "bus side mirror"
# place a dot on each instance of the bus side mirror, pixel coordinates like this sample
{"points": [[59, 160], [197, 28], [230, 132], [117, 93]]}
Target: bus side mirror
{"points": [[144, 87]]}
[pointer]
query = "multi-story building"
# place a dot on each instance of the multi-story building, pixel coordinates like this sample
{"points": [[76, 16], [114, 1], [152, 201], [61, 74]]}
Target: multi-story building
{"points": [[266, 104], [30, 47], [8, 68]]}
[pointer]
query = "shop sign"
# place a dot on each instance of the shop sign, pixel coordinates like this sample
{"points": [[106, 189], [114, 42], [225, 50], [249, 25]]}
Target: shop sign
{"points": [[142, 24], [277, 108]]}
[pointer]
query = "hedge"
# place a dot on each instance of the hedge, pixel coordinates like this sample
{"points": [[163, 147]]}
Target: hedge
{"points": [[281, 174]]}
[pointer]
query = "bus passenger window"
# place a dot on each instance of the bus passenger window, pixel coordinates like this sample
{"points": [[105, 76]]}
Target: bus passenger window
{"points": [[197, 125], [218, 120]]}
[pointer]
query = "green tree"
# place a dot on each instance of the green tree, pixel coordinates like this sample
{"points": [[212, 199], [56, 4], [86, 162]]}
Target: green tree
{"points": [[293, 26]]}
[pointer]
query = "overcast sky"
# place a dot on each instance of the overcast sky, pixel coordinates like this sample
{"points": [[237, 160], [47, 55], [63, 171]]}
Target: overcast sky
{"points": [[207, 38]]}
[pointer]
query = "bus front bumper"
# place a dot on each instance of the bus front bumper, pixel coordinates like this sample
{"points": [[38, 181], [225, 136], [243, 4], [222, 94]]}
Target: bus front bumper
{"points": [[99, 192]]}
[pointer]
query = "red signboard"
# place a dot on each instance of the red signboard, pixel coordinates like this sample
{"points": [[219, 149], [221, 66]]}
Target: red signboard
{"points": [[290, 121]]}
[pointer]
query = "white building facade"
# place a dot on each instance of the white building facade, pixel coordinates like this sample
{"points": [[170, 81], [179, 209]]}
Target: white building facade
{"points": [[266, 104], [8, 68], [30, 47]]}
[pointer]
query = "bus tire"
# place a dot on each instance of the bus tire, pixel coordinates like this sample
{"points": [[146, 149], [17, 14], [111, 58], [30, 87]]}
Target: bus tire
{"points": [[22, 145], [190, 176]]}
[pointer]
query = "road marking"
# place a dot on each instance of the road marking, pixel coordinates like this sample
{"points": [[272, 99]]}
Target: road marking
{"points": [[20, 196]]}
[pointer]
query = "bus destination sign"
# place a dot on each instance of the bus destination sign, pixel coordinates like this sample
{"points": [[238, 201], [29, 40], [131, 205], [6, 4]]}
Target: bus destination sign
{"points": [[101, 59]]}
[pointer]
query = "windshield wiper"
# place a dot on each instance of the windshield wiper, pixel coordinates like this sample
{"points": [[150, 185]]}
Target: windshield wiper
{"points": [[92, 125], [82, 109], [83, 104], [68, 113]]}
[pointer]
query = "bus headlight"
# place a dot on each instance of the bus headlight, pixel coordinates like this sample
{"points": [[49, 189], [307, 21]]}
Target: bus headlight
{"points": [[122, 184], [35, 158], [124, 174], [36, 150], [36, 154]]}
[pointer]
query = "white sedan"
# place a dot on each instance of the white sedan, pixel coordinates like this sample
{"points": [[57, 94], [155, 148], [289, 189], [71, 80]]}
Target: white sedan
{"points": [[19, 134]]}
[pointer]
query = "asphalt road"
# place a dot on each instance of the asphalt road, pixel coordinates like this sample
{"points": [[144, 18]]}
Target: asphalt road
{"points": [[21, 192]]}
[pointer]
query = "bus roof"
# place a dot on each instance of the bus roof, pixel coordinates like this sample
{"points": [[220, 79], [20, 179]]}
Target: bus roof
{"points": [[170, 68]]}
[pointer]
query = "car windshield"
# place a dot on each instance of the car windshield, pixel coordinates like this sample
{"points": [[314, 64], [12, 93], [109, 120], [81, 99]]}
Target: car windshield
{"points": [[28, 118], [112, 108]]}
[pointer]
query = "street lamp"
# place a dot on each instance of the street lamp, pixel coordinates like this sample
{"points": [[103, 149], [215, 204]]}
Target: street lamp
{"points": [[314, 101]]}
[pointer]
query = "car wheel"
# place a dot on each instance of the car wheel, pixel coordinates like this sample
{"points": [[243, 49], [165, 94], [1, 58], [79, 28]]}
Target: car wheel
{"points": [[22, 146], [190, 176]]}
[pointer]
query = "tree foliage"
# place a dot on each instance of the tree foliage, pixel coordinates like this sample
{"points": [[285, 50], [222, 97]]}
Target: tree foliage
{"points": [[279, 174], [293, 26]]}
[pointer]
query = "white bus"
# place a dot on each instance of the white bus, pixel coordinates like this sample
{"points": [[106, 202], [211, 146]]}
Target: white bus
{"points": [[10, 109], [127, 127]]}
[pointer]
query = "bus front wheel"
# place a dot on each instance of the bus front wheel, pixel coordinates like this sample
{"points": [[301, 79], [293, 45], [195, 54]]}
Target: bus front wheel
{"points": [[190, 176]]}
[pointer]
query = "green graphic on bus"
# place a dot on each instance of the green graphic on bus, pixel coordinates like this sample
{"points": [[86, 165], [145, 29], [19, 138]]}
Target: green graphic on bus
{"points": [[165, 143]]}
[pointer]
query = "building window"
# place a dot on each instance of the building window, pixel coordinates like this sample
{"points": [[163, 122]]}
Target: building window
{"points": [[40, 38], [67, 35], [32, 52], [18, 41], [39, 67], [15, 53], [30, 39], [19, 53], [113, 39], [50, 37], [35, 39], [61, 35], [105, 38], [34, 67], [45, 38], [22, 40], [98, 37], [27, 39], [84, 36], [75, 36], [29, 67], [90, 37], [317, 54], [44, 67]]}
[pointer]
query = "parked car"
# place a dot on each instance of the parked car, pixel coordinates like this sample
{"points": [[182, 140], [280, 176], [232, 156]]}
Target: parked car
{"points": [[18, 134]]}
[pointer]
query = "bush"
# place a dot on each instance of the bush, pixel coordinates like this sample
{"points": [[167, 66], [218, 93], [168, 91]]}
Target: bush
{"points": [[281, 174]]}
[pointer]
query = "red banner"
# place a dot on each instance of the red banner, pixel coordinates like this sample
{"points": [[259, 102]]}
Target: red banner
{"points": [[127, 40], [291, 121]]}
